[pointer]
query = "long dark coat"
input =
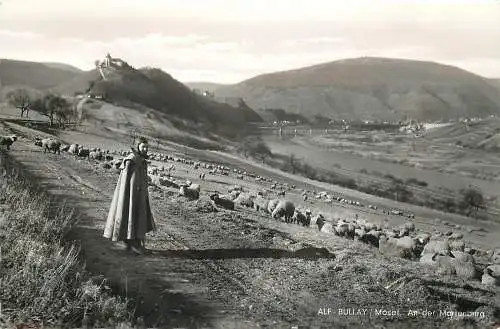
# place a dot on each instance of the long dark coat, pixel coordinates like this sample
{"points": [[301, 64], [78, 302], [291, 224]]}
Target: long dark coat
{"points": [[130, 214]]}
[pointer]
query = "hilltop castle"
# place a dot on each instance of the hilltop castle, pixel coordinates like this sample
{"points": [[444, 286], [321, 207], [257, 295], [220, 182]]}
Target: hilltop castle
{"points": [[110, 62]]}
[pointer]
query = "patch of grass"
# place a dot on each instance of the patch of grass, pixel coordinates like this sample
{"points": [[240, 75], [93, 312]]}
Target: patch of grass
{"points": [[43, 281]]}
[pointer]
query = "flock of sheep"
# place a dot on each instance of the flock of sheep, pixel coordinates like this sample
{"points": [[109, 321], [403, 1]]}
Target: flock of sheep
{"points": [[447, 252]]}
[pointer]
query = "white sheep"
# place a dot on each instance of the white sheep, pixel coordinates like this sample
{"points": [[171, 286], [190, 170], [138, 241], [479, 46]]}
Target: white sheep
{"points": [[404, 247], [489, 279], [96, 155], [190, 191], [7, 141], [271, 205], [260, 204], [285, 209], [49, 144], [245, 199], [73, 149]]}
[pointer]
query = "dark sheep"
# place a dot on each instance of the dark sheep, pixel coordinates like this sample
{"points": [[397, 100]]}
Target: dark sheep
{"points": [[49, 144], [222, 202], [7, 141], [285, 209]]}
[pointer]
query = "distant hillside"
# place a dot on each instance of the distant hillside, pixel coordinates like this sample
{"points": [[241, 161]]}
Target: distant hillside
{"points": [[483, 134], [78, 84], [495, 82], [65, 67], [155, 89], [371, 88], [34, 75]]}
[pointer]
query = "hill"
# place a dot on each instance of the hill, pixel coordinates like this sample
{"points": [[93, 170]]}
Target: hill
{"points": [[63, 66], [484, 134], [33, 75], [150, 88], [78, 84], [143, 90], [495, 83], [372, 88]]}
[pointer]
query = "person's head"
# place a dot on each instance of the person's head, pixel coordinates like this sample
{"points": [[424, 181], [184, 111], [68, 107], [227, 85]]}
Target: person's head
{"points": [[142, 146]]}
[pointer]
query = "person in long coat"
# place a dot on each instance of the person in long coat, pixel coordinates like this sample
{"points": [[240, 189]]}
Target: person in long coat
{"points": [[130, 217]]}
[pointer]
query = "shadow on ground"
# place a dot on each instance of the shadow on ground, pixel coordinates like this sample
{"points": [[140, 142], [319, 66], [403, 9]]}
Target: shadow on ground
{"points": [[305, 253]]}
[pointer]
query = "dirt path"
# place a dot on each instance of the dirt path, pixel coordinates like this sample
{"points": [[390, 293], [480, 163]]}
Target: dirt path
{"points": [[239, 269]]}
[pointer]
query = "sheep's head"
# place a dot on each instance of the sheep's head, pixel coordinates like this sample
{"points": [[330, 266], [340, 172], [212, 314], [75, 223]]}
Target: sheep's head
{"points": [[13, 137], [38, 142], [214, 196]]}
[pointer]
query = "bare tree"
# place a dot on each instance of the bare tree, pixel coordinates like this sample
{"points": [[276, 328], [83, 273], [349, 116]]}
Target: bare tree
{"points": [[20, 99], [53, 107]]}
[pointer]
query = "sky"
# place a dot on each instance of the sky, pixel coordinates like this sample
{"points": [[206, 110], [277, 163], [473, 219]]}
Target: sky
{"points": [[227, 41]]}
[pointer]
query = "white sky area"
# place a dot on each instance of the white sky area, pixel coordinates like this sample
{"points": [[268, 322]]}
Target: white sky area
{"points": [[228, 41]]}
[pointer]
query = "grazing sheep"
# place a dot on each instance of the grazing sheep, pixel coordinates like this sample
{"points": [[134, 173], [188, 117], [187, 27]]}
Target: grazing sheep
{"points": [[319, 220], [190, 191], [117, 163], [462, 256], [423, 238], [458, 244], [271, 205], [245, 199], [167, 182], [428, 259], [464, 266], [49, 144], [371, 237], [222, 202], [440, 247], [495, 258], [83, 152], [96, 155], [445, 265], [489, 279], [284, 208], [300, 218], [73, 149], [404, 247], [7, 141], [260, 204], [316, 220], [306, 219], [238, 188]]}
